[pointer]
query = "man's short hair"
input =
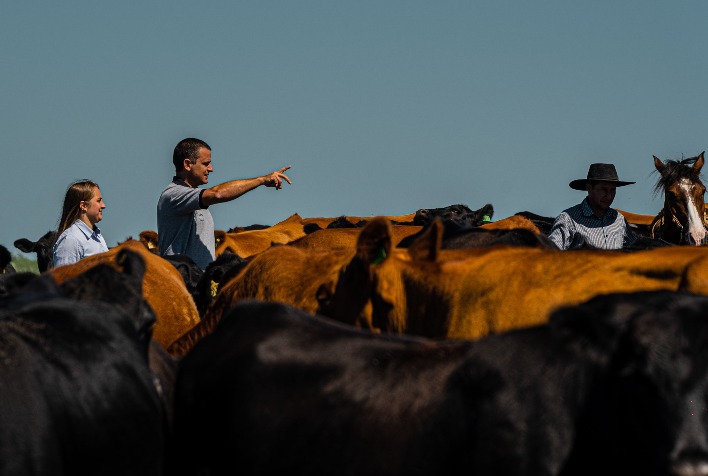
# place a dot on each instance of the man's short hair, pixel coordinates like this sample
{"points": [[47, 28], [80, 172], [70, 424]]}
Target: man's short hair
{"points": [[187, 149]]}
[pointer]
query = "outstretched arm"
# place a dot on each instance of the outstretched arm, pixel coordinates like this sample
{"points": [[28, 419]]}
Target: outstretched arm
{"points": [[235, 188]]}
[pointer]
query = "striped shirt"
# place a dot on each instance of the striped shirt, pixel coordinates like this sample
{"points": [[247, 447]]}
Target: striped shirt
{"points": [[578, 226]]}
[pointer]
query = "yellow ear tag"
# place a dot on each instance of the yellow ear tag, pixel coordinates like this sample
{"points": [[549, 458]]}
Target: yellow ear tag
{"points": [[214, 288]]}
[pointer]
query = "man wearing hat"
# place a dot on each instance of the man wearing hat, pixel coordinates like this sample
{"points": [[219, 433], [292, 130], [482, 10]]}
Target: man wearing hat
{"points": [[592, 223]]}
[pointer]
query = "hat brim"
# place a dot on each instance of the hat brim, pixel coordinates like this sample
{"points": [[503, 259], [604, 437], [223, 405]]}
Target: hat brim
{"points": [[580, 183]]}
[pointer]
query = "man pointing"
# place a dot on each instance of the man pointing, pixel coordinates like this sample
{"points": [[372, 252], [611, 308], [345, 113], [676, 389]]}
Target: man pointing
{"points": [[184, 223]]}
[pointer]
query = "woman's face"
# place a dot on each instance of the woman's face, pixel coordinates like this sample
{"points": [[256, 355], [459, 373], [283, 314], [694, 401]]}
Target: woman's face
{"points": [[94, 207]]}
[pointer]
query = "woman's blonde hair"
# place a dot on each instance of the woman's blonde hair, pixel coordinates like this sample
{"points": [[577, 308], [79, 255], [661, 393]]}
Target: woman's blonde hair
{"points": [[81, 191]]}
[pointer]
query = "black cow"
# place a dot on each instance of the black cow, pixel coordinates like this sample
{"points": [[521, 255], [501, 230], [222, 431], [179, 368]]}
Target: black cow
{"points": [[344, 222], [224, 267], [459, 215], [256, 226], [123, 290], [190, 271], [480, 237], [76, 393], [456, 237], [6, 261], [615, 386], [42, 247]]}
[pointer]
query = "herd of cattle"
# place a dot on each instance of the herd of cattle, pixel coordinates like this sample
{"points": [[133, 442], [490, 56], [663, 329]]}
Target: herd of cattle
{"points": [[437, 342]]}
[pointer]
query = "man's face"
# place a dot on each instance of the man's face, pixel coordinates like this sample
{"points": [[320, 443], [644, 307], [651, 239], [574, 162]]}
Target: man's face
{"points": [[198, 171], [601, 195]]}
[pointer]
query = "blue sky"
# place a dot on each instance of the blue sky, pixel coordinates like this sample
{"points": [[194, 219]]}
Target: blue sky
{"points": [[381, 107]]}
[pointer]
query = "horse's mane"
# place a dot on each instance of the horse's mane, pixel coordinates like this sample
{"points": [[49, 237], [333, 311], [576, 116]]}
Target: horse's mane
{"points": [[676, 170]]}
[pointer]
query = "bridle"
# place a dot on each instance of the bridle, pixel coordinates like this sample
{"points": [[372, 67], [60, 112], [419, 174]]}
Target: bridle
{"points": [[658, 229]]}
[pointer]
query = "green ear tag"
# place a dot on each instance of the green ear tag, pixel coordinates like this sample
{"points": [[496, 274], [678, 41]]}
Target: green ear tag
{"points": [[486, 219], [380, 257]]}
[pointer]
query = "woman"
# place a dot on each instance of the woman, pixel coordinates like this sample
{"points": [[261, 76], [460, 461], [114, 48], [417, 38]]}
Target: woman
{"points": [[79, 236]]}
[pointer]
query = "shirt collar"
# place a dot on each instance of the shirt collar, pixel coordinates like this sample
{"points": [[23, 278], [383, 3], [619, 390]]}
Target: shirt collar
{"points": [[88, 232], [587, 211], [179, 181]]}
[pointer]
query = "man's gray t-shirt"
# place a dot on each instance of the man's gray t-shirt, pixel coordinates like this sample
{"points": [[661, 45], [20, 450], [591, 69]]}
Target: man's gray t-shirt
{"points": [[184, 226]]}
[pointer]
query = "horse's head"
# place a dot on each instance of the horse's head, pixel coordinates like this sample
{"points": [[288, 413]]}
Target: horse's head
{"points": [[684, 207]]}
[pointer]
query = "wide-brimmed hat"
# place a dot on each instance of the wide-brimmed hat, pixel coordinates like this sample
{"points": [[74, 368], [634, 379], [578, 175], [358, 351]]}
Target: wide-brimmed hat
{"points": [[597, 173]]}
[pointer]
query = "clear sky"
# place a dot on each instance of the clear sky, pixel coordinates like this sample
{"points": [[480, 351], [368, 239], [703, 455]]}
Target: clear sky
{"points": [[381, 107]]}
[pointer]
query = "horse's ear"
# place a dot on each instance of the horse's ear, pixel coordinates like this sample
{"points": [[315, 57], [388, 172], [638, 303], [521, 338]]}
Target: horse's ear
{"points": [[699, 162], [659, 164]]}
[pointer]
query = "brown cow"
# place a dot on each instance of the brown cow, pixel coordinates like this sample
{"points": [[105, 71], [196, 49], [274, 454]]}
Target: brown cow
{"points": [[442, 293], [636, 218], [511, 223], [641, 224], [470, 293], [324, 222], [305, 273], [284, 274], [252, 242], [347, 237], [149, 239], [163, 287]]}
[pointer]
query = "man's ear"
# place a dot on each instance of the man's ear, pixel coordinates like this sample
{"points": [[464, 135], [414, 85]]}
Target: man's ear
{"points": [[187, 164]]}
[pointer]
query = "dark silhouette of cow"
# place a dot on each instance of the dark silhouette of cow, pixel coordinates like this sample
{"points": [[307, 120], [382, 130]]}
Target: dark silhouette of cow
{"points": [[224, 267], [617, 385], [190, 271], [5, 261], [77, 394], [123, 290]]}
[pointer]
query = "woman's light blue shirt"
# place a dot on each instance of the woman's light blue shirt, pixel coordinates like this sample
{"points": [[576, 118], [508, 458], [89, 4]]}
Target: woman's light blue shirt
{"points": [[77, 242]]}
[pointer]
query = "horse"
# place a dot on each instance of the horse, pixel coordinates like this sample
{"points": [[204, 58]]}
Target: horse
{"points": [[682, 220]]}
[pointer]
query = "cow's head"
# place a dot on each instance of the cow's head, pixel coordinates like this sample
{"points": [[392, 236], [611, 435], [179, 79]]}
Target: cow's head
{"points": [[149, 239], [371, 290], [454, 216], [42, 247]]}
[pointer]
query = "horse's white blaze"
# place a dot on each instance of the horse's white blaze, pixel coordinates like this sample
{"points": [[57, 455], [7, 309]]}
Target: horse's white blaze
{"points": [[696, 228]]}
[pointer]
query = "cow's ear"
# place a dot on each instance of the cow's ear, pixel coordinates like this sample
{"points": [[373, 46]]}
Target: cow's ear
{"points": [[487, 210], [219, 237], [132, 265], [374, 242], [427, 246], [24, 245]]}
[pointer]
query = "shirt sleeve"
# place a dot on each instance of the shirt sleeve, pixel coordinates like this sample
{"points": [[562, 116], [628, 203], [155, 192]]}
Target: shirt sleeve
{"points": [[67, 251], [562, 231], [180, 200]]}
